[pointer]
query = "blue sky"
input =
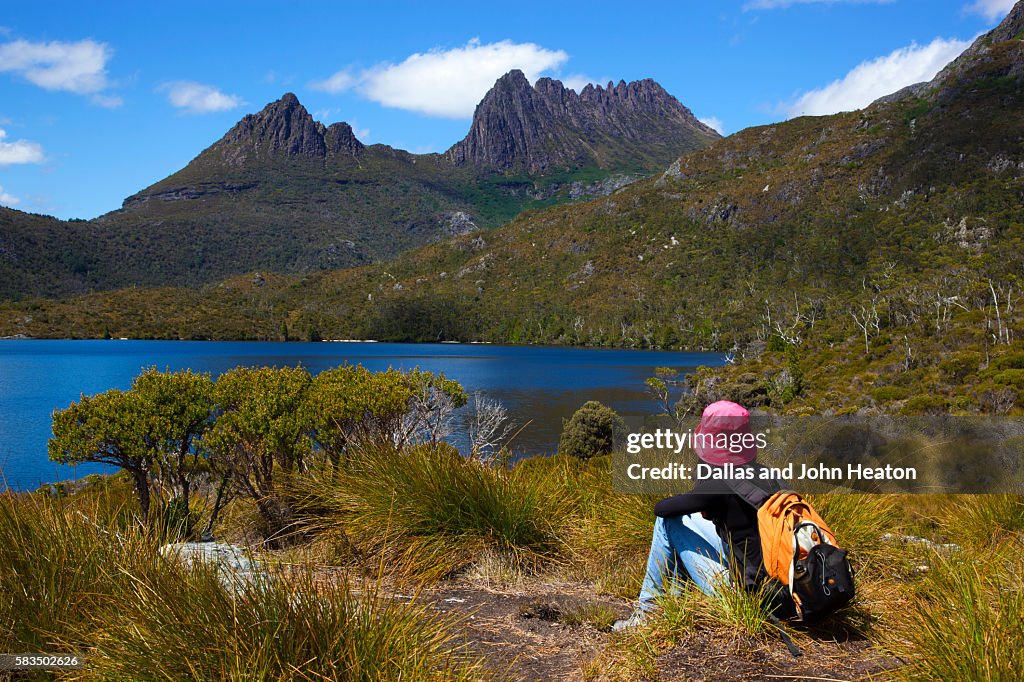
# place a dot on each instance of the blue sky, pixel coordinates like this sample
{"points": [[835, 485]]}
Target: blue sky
{"points": [[99, 100]]}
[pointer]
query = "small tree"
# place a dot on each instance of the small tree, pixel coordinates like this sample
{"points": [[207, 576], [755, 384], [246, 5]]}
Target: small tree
{"points": [[152, 431], [590, 431], [178, 410], [660, 387], [351, 406], [105, 429], [261, 432]]}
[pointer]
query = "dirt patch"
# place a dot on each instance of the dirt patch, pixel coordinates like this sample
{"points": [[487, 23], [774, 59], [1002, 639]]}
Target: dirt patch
{"points": [[534, 634], [718, 656], [550, 631]]}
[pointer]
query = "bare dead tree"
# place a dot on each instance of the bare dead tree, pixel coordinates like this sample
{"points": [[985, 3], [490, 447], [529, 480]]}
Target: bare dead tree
{"points": [[489, 427], [429, 415], [1002, 334], [867, 319]]}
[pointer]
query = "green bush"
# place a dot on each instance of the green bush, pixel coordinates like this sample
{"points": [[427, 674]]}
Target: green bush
{"points": [[1011, 361], [925, 404], [960, 365], [885, 394], [1011, 377], [590, 431]]}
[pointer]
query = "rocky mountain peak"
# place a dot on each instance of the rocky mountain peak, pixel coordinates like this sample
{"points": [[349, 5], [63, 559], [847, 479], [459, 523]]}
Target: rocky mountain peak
{"points": [[286, 127], [546, 126]]}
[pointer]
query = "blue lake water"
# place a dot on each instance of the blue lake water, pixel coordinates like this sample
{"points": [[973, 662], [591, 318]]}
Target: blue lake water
{"points": [[539, 385]]}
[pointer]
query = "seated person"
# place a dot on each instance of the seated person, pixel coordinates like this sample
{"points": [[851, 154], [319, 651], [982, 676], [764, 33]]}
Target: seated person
{"points": [[699, 534]]}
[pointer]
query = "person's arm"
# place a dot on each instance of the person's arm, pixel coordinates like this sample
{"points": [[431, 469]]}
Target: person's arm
{"points": [[681, 505], [700, 499]]}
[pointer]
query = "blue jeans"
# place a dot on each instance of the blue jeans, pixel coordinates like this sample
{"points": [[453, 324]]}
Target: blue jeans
{"points": [[683, 547]]}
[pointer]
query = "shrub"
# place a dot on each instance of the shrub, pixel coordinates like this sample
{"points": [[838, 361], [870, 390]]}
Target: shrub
{"points": [[925, 404], [960, 365], [590, 431], [153, 431], [885, 394], [1011, 361], [1014, 378]]}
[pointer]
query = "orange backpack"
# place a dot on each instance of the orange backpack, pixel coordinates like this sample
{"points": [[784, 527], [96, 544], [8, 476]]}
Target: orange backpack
{"points": [[800, 551]]}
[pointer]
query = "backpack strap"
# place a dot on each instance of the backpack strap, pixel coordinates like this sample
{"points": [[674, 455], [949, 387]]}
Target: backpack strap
{"points": [[754, 492], [793, 649]]}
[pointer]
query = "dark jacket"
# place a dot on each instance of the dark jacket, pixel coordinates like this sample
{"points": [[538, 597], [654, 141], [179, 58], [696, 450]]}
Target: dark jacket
{"points": [[736, 522]]}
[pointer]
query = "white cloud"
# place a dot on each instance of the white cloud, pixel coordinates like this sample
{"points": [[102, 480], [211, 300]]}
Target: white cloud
{"points": [[714, 122], [196, 98], [991, 9], [782, 4], [19, 151], [339, 82], [445, 83], [79, 67], [882, 76], [8, 199]]}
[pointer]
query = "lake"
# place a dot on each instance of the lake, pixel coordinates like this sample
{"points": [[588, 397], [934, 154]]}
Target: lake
{"points": [[539, 385]]}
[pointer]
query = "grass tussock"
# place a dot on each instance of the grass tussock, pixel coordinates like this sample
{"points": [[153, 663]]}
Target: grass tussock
{"points": [[74, 583], [613, 541], [183, 624], [611, 537], [587, 612], [427, 512], [57, 566], [964, 620], [859, 521], [634, 654], [983, 520], [735, 609]]}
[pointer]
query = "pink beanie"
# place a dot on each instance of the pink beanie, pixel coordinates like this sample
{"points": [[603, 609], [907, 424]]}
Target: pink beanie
{"points": [[723, 436]]}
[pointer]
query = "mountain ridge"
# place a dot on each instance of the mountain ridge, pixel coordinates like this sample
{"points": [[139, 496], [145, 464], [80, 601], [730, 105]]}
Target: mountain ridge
{"points": [[538, 127], [280, 191]]}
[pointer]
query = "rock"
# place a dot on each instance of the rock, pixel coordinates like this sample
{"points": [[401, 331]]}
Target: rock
{"points": [[547, 126], [673, 172], [457, 223], [235, 567], [915, 540], [970, 236]]}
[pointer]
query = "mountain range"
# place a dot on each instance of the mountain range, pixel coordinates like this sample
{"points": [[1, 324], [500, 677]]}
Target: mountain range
{"points": [[282, 192]]}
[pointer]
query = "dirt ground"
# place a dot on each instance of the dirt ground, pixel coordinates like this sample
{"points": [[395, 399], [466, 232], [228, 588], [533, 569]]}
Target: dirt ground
{"points": [[524, 632]]}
